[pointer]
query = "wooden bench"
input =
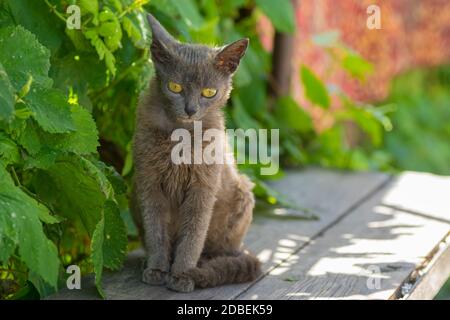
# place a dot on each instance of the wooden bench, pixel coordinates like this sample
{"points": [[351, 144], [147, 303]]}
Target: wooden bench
{"points": [[377, 237]]}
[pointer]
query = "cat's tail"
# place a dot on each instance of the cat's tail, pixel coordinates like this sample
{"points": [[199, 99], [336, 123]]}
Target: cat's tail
{"points": [[226, 270]]}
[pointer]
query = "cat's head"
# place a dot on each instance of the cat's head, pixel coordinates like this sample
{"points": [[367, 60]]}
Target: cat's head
{"points": [[194, 78]]}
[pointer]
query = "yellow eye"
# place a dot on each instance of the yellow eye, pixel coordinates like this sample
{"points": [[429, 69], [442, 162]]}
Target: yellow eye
{"points": [[175, 87], [209, 92]]}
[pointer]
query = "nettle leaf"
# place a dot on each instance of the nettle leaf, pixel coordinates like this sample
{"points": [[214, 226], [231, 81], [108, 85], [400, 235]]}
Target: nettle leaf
{"points": [[76, 189], [280, 13], [50, 109], [115, 236], [109, 242], [9, 151], [97, 255], [22, 55], [36, 17], [8, 246], [20, 223], [42, 160], [112, 175], [83, 140], [70, 71], [315, 90], [6, 96]]}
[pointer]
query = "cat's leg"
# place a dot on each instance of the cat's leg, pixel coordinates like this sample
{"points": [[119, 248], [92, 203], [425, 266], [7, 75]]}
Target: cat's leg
{"points": [[224, 260], [155, 210], [241, 216], [196, 211]]}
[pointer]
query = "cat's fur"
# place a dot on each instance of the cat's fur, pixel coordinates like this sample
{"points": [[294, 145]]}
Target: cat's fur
{"points": [[192, 217]]}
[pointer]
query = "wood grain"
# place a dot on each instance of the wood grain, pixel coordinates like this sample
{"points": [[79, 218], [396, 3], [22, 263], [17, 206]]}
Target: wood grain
{"points": [[370, 252]]}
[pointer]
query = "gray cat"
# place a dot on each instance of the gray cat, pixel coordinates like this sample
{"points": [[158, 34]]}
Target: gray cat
{"points": [[192, 217]]}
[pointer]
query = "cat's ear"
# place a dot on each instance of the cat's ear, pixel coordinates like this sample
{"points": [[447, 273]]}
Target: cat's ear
{"points": [[228, 58], [162, 41]]}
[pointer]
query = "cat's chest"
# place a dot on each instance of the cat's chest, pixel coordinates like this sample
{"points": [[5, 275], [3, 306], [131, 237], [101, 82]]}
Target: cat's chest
{"points": [[178, 165], [174, 178]]}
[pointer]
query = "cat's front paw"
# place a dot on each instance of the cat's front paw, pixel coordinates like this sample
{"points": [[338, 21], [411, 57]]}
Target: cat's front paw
{"points": [[154, 277], [180, 283]]}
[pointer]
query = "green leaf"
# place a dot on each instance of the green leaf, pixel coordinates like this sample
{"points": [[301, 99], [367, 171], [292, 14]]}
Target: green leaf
{"points": [[70, 71], [117, 4], [114, 236], [112, 175], [22, 55], [90, 6], [9, 151], [78, 40], [41, 160], [36, 17], [357, 66], [110, 30], [8, 246], [83, 140], [97, 255], [19, 221], [47, 218], [133, 31], [280, 12], [315, 90], [6, 96], [79, 190], [26, 88], [102, 50], [253, 97], [76, 188], [241, 117], [188, 10], [50, 109], [41, 286], [291, 115]]}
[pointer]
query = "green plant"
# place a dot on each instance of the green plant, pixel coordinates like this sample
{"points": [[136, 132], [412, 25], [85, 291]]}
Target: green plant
{"points": [[67, 102], [420, 141], [59, 202]]}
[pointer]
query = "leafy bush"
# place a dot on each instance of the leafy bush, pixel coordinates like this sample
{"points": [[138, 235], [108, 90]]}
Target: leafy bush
{"points": [[62, 91], [59, 202]]}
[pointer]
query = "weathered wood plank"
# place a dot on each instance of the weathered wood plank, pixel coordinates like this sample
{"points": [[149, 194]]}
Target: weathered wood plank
{"points": [[369, 253], [431, 276], [329, 194], [421, 193]]}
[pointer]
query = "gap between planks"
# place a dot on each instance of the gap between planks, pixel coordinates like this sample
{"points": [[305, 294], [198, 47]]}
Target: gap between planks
{"points": [[396, 240]]}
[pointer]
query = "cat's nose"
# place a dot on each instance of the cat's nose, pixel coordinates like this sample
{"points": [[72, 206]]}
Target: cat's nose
{"points": [[190, 110]]}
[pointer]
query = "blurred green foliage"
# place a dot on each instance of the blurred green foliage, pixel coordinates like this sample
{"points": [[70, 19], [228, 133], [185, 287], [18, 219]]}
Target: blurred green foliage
{"points": [[64, 93], [421, 139]]}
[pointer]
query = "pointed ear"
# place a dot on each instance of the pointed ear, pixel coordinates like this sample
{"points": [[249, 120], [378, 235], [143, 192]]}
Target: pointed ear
{"points": [[162, 41], [228, 58]]}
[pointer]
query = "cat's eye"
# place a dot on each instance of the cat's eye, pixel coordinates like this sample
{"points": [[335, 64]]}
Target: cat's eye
{"points": [[174, 87], [209, 92]]}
